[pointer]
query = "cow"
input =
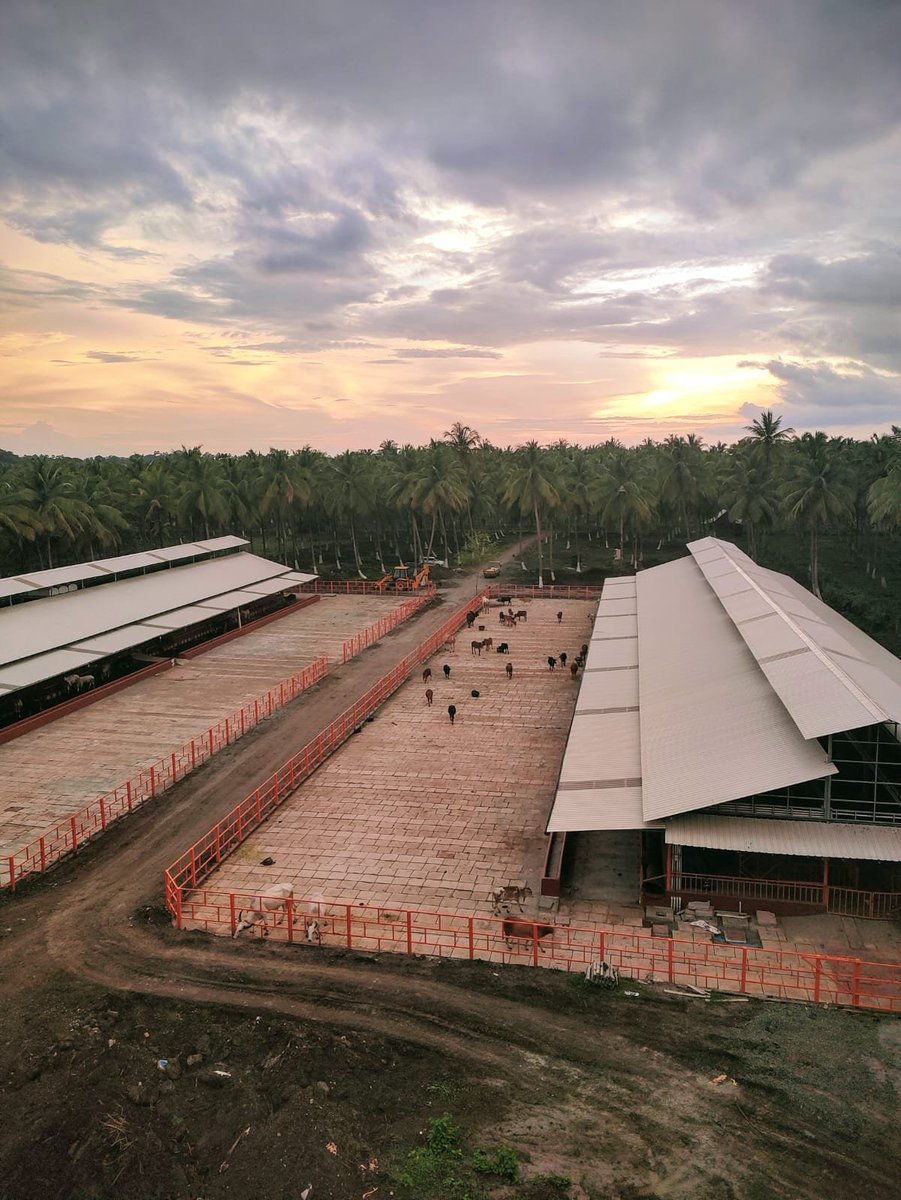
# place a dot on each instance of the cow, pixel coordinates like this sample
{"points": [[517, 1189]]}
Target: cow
{"points": [[429, 695], [519, 930], [79, 683], [510, 891], [502, 648], [427, 675], [477, 648], [275, 899]]}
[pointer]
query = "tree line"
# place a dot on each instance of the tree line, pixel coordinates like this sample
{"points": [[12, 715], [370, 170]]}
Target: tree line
{"points": [[360, 511]]}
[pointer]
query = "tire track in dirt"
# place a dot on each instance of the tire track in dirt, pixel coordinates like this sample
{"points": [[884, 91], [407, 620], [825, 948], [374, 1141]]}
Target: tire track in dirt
{"points": [[78, 921]]}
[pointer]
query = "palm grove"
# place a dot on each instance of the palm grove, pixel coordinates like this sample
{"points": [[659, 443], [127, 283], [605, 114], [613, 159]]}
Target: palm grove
{"points": [[782, 497]]}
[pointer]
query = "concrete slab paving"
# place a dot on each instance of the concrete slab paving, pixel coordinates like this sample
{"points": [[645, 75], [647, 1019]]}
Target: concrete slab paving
{"points": [[417, 812], [53, 771]]}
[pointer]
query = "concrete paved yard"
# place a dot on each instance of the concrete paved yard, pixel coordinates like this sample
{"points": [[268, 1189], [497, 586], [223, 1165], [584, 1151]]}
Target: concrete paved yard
{"points": [[415, 812], [54, 771]]}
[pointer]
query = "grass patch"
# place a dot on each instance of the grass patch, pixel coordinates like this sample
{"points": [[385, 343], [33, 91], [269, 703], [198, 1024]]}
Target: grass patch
{"points": [[446, 1168]]}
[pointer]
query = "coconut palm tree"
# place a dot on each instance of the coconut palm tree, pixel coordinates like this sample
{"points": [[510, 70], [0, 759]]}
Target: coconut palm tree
{"points": [[49, 490], [749, 491], [885, 492], [816, 493], [628, 497], [440, 488], [200, 490], [532, 486], [349, 491], [768, 436]]}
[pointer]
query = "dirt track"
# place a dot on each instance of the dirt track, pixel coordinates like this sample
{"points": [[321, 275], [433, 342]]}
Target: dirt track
{"points": [[93, 929]]}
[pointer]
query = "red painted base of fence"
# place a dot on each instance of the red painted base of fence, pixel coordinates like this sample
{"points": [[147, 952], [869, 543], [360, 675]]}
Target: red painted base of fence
{"points": [[206, 854], [635, 953], [73, 831]]}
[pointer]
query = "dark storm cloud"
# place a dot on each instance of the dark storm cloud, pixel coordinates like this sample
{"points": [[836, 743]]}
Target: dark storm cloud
{"points": [[302, 163], [864, 279]]}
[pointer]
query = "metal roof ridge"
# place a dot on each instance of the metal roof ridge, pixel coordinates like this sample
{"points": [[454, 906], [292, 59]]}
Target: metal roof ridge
{"points": [[856, 691]]}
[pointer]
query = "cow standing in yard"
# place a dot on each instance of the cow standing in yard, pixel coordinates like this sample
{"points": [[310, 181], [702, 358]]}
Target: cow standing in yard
{"points": [[452, 712], [509, 670], [429, 694]]}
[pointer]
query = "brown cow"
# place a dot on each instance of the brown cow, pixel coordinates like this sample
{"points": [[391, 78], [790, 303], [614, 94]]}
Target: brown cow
{"points": [[429, 696], [477, 648], [518, 930]]}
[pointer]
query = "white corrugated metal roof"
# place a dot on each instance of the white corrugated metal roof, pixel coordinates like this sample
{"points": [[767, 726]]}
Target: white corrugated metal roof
{"points": [[228, 542], [600, 777], [14, 587], [101, 567], [61, 575], [598, 808], [41, 627], [45, 666], [118, 639], [712, 728], [180, 618], [127, 562], [237, 599], [178, 553], [808, 839], [837, 677]]}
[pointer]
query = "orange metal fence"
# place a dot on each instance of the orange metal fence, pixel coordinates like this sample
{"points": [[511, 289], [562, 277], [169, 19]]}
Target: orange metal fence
{"points": [[552, 591], [358, 643], [636, 954], [206, 854], [350, 587], [847, 902], [73, 831]]}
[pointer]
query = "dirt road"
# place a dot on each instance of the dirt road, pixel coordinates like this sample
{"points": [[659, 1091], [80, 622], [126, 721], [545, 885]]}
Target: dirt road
{"points": [[91, 939]]}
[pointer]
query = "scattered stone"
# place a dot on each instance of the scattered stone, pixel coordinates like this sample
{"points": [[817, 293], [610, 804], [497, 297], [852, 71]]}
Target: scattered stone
{"points": [[194, 1060], [215, 1078], [137, 1094], [321, 1087]]}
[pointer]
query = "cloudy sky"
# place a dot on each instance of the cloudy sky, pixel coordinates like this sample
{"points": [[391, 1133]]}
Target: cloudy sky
{"points": [[250, 224]]}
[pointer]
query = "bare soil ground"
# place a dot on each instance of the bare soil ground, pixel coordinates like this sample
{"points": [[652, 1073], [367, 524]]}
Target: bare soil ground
{"points": [[321, 1069]]}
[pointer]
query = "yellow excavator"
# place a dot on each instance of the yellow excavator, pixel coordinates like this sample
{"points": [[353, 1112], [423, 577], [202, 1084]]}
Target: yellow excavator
{"points": [[408, 579]]}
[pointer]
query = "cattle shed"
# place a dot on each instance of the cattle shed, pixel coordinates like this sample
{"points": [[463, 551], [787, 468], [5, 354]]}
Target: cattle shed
{"points": [[69, 629], [736, 740]]}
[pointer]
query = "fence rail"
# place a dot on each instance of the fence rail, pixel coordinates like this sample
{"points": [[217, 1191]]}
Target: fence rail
{"points": [[636, 954], [552, 591], [351, 587], [71, 832], [368, 637], [209, 851], [847, 902]]}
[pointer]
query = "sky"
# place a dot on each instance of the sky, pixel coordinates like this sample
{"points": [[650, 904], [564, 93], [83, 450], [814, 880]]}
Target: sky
{"points": [[334, 222]]}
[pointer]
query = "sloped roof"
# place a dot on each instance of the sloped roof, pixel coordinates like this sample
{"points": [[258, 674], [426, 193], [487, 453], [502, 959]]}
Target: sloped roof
{"points": [[600, 778], [712, 728], [828, 673], [817, 839], [45, 637]]}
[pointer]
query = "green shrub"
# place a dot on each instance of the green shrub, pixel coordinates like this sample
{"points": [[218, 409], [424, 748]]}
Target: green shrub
{"points": [[503, 1163]]}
